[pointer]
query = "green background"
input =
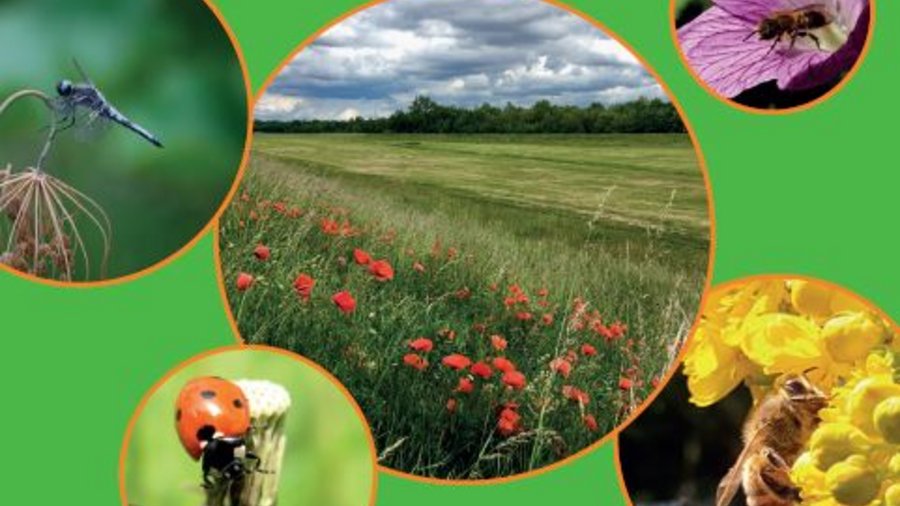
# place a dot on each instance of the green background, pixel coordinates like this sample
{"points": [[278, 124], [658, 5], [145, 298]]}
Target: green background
{"points": [[328, 458], [811, 193]]}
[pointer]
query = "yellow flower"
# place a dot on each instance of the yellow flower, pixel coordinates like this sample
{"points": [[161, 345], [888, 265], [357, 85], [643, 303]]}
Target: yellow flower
{"points": [[782, 343], [810, 298], [751, 299], [894, 466], [834, 442], [819, 301], [892, 495], [713, 368], [887, 419], [865, 396], [852, 482], [807, 475], [851, 336]]}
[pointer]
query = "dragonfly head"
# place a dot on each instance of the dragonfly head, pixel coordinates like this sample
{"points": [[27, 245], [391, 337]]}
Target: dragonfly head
{"points": [[64, 88]]}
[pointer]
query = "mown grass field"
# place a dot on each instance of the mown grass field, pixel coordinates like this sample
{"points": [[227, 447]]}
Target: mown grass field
{"points": [[586, 256]]}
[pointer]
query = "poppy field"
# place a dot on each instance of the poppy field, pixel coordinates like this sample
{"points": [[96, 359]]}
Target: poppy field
{"points": [[494, 303]]}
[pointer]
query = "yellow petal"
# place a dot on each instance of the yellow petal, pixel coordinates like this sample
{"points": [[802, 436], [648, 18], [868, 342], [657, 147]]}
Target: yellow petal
{"points": [[782, 343], [810, 298], [852, 482], [887, 419], [712, 368], [850, 336]]}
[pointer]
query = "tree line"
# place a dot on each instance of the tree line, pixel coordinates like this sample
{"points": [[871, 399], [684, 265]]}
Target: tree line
{"points": [[424, 115]]}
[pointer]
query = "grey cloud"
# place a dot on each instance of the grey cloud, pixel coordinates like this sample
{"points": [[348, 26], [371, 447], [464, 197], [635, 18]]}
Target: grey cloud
{"points": [[461, 52]]}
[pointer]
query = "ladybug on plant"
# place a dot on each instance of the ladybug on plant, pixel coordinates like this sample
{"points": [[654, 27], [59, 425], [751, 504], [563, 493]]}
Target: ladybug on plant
{"points": [[212, 417]]}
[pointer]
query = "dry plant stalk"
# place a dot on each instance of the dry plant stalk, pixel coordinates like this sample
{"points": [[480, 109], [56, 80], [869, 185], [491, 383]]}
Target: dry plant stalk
{"points": [[43, 237], [269, 403]]}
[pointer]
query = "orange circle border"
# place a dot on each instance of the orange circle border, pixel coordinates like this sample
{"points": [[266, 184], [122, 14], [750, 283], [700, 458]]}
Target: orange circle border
{"points": [[611, 435], [126, 440], [212, 222], [673, 33], [626, 496]]}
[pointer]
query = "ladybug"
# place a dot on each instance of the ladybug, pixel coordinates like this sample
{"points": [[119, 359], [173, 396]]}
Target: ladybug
{"points": [[212, 417]]}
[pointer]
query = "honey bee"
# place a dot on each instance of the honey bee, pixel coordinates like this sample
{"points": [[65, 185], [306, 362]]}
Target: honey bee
{"points": [[793, 23], [774, 436]]}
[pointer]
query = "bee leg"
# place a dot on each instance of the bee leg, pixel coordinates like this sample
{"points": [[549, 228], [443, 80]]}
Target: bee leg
{"points": [[772, 47], [776, 474], [815, 39]]}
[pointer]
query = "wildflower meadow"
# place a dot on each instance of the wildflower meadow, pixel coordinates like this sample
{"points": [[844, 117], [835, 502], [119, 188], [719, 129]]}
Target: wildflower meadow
{"points": [[477, 346]]}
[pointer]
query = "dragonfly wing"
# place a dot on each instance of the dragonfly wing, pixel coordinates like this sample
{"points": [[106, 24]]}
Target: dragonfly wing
{"points": [[81, 72]]}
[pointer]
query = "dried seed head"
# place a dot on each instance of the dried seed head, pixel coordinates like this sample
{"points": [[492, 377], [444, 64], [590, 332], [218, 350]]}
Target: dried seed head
{"points": [[266, 399]]}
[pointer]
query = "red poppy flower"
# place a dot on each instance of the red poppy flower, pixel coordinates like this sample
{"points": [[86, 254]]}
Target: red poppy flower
{"points": [[382, 270], [508, 422], [543, 303], [422, 344], [524, 316], [575, 394], [618, 329], [561, 366], [655, 381], [418, 267], [415, 361], [280, 207], [626, 383], [344, 301], [466, 386], [451, 405], [330, 227], [503, 365], [244, 281], [482, 370], [543, 292], [587, 350], [498, 342], [493, 287], [547, 319], [361, 257], [303, 285], [590, 422], [514, 380], [295, 212], [456, 361], [463, 293], [261, 252]]}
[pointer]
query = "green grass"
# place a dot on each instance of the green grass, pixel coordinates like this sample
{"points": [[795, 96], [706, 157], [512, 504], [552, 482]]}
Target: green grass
{"points": [[327, 459], [584, 217]]}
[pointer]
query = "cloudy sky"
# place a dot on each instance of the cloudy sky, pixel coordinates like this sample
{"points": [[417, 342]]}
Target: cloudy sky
{"points": [[460, 52]]}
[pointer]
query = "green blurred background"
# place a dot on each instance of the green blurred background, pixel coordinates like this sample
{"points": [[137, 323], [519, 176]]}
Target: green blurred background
{"points": [[328, 461], [166, 64]]}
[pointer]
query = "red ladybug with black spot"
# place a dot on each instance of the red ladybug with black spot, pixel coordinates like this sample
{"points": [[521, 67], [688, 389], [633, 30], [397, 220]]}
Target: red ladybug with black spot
{"points": [[212, 417]]}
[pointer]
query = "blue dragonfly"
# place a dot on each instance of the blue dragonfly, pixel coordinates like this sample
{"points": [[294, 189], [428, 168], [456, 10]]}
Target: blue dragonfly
{"points": [[82, 104]]}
